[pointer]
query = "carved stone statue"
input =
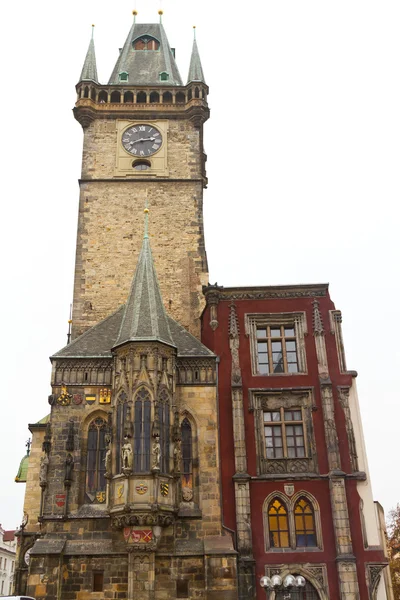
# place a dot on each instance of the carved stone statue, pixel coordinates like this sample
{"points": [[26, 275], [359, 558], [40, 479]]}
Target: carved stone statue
{"points": [[108, 460], [44, 465], [177, 456], [156, 454], [127, 456], [69, 465]]}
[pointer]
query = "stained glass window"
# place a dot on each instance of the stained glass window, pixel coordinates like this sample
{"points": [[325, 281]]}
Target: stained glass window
{"points": [[304, 524], [278, 524]]}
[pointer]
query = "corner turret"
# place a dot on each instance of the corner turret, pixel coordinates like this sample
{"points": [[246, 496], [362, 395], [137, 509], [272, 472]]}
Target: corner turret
{"points": [[195, 68], [89, 69]]}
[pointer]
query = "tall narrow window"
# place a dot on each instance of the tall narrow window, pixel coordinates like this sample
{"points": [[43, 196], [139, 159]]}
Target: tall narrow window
{"points": [[278, 524], [98, 581], [164, 420], [142, 409], [187, 460], [95, 469], [304, 524], [122, 409]]}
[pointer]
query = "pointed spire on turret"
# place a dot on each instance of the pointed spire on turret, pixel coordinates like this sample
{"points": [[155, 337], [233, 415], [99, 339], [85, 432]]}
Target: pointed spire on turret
{"points": [[145, 318], [89, 70], [146, 58], [195, 69]]}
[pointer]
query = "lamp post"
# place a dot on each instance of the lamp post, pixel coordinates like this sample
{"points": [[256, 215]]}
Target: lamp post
{"points": [[277, 584]]}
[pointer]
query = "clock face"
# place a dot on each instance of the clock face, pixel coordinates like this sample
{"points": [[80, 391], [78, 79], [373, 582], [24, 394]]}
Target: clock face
{"points": [[141, 140]]}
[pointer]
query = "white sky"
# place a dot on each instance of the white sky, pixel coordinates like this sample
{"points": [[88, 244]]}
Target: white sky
{"points": [[303, 154]]}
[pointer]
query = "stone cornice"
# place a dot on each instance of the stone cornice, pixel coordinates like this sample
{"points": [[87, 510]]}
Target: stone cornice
{"points": [[266, 292]]}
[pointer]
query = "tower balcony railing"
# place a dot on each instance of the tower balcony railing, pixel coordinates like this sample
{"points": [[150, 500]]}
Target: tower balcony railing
{"points": [[138, 98]]}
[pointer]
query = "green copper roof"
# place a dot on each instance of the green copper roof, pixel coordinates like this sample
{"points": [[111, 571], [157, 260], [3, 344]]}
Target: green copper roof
{"points": [[144, 315], [44, 421], [23, 470], [195, 68], [89, 70], [145, 66]]}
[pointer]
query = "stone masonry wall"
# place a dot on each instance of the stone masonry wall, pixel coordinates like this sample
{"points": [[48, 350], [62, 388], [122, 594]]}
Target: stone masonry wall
{"points": [[33, 491], [110, 228], [200, 402]]}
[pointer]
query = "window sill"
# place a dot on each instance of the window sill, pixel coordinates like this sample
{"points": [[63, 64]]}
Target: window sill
{"points": [[291, 550], [279, 374]]}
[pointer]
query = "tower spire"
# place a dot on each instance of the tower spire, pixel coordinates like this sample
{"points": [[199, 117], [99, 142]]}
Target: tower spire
{"points": [[195, 68], [144, 67], [145, 318], [89, 69]]}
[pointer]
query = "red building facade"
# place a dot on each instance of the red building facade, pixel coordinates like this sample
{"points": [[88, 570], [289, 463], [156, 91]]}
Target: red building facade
{"points": [[295, 482]]}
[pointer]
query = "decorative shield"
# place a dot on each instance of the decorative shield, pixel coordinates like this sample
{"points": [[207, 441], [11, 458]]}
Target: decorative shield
{"points": [[289, 490], [60, 500], [90, 399], [77, 398], [164, 488], [141, 488], [101, 497], [120, 490]]}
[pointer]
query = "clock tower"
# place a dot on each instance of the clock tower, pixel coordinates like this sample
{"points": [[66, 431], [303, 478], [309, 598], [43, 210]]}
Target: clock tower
{"points": [[143, 142]]}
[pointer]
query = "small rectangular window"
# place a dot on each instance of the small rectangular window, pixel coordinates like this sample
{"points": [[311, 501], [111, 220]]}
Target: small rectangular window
{"points": [[284, 433], [182, 588], [276, 350], [98, 581]]}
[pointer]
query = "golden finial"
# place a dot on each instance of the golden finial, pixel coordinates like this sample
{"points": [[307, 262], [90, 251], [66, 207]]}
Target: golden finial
{"points": [[146, 210], [194, 31], [135, 12]]}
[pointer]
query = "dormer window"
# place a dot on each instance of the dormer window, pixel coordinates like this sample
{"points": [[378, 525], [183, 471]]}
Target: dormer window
{"points": [[146, 42], [164, 76], [123, 76]]}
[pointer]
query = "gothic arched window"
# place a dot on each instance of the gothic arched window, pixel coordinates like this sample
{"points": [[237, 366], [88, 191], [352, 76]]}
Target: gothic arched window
{"points": [[308, 592], [278, 524], [187, 451], [95, 467], [304, 524], [142, 422], [122, 409], [164, 421]]}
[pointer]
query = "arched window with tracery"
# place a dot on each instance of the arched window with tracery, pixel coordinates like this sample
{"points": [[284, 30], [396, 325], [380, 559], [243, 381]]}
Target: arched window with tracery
{"points": [[95, 467], [164, 422], [278, 524], [304, 524], [142, 423], [308, 592], [122, 409]]}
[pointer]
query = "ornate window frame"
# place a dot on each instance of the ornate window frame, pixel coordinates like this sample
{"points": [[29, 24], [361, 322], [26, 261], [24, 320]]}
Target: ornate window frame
{"points": [[290, 504], [316, 574], [261, 400], [295, 319]]}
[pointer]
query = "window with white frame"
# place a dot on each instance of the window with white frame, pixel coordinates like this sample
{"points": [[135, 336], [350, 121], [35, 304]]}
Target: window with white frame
{"points": [[285, 440], [277, 343]]}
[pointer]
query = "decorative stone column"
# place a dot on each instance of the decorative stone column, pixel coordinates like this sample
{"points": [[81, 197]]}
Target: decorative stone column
{"points": [[346, 561], [246, 566]]}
